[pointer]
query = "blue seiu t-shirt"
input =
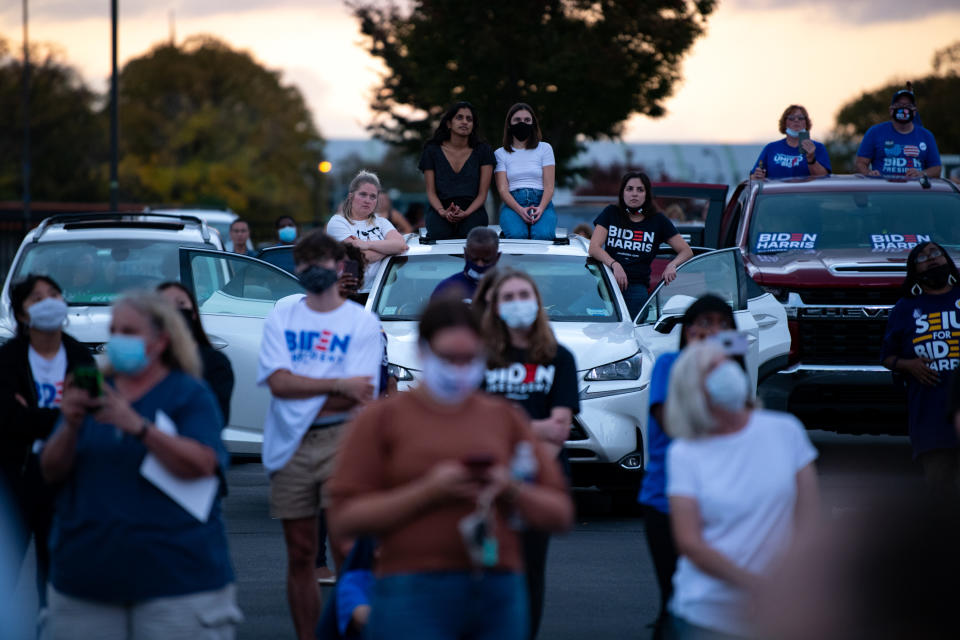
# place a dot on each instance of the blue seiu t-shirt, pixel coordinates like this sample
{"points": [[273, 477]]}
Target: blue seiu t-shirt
{"points": [[653, 491], [783, 161], [927, 325], [892, 153], [354, 589], [118, 538], [459, 282]]}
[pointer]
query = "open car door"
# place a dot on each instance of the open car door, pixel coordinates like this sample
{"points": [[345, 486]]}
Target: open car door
{"points": [[235, 294]]}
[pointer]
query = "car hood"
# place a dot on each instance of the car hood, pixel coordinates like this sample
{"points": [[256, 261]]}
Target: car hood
{"points": [[89, 324], [592, 343], [829, 267]]}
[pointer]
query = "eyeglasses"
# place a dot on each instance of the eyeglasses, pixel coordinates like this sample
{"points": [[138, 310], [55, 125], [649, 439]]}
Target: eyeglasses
{"points": [[923, 257], [802, 118]]}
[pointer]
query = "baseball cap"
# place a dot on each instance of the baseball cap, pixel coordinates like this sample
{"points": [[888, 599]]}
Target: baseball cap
{"points": [[908, 92]]}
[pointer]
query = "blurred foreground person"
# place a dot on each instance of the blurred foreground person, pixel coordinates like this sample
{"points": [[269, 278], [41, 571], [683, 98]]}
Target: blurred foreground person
{"points": [[217, 371], [741, 484], [519, 339], [917, 347], [128, 559], [434, 475], [33, 367], [706, 317]]}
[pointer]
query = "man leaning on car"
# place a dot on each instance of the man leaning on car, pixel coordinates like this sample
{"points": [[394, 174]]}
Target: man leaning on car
{"points": [[320, 356]]}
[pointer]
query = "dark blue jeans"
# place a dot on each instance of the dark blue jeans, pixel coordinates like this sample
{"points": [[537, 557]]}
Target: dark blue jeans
{"points": [[449, 606], [635, 296]]}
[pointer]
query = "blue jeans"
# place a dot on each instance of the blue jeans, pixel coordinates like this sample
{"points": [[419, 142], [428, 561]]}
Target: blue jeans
{"points": [[516, 227], [635, 296], [449, 606]]}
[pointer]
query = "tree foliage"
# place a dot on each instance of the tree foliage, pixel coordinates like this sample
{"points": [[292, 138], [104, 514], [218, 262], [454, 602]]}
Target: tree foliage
{"points": [[67, 138], [938, 95], [585, 66], [201, 123]]}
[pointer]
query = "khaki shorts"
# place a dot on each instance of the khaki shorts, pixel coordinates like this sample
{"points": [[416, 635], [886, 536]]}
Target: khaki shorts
{"points": [[296, 489]]}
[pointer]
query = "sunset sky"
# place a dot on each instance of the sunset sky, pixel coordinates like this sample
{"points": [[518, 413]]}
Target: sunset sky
{"points": [[757, 56]]}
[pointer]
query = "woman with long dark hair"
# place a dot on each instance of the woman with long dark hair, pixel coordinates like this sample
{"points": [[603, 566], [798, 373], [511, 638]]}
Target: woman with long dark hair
{"points": [[526, 176], [921, 345], [429, 474], [217, 372], [518, 337], [457, 167], [627, 238], [33, 367]]}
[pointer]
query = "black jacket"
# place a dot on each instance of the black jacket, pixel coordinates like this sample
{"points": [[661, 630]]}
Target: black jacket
{"points": [[218, 374], [20, 425]]}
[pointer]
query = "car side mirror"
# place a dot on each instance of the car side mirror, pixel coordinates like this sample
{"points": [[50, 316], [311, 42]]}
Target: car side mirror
{"points": [[666, 324]]}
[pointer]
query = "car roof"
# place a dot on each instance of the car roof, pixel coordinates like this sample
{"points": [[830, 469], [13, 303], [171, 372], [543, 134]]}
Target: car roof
{"points": [[211, 215], [147, 226], [572, 245], [856, 182]]}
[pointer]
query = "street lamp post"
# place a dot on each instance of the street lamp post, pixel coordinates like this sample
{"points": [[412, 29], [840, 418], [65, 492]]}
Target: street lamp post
{"points": [[114, 129]]}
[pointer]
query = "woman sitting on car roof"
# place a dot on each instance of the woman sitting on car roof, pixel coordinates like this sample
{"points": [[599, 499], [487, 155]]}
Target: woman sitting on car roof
{"points": [[797, 155]]}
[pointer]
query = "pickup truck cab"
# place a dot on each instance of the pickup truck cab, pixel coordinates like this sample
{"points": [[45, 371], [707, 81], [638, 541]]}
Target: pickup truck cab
{"points": [[833, 250]]}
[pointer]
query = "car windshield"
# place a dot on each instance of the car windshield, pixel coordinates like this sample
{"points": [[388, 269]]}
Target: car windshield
{"points": [[878, 222], [96, 272], [573, 290]]}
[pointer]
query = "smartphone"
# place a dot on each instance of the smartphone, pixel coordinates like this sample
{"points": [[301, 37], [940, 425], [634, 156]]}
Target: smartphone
{"points": [[89, 379], [732, 342], [351, 268], [804, 135], [478, 464]]}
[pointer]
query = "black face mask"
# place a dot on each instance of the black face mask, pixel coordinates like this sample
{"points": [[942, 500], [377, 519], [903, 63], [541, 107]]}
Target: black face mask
{"points": [[903, 114], [935, 277], [317, 279], [521, 130]]}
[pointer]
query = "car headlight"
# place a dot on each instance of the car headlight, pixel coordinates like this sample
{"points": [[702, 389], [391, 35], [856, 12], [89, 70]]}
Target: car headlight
{"points": [[402, 374], [626, 369]]}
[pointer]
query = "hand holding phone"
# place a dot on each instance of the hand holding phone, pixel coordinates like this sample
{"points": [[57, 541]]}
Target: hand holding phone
{"points": [[351, 268], [89, 379]]}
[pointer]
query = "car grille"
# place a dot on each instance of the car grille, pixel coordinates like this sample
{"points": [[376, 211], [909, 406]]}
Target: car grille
{"points": [[841, 335], [861, 296]]}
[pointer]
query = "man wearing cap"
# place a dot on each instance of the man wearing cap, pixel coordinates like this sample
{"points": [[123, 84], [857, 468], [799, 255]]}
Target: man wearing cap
{"points": [[900, 147]]}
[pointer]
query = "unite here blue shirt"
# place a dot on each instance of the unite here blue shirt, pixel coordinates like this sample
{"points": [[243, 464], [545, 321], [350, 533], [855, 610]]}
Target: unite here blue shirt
{"points": [[892, 153], [783, 161]]}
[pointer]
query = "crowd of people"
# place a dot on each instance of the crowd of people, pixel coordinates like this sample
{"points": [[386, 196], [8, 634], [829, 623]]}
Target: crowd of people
{"points": [[438, 504]]}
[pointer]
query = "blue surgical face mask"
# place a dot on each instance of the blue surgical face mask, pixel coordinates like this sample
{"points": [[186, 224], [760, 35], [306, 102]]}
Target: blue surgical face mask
{"points": [[127, 354], [519, 314], [793, 133], [287, 234]]}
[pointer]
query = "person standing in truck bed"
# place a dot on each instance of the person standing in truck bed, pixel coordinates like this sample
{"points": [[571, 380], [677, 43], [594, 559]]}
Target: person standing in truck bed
{"points": [[921, 343]]}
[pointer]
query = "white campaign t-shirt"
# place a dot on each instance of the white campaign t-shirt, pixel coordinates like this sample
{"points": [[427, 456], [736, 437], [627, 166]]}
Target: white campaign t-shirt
{"points": [[524, 167], [745, 487], [377, 229], [342, 343], [48, 376]]}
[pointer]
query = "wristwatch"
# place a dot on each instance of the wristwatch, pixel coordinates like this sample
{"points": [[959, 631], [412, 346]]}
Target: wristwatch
{"points": [[144, 427]]}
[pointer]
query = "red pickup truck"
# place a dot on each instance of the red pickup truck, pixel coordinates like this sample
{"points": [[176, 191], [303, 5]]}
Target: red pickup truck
{"points": [[833, 250]]}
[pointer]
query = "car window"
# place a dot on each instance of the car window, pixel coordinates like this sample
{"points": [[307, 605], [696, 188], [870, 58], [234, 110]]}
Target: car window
{"points": [[573, 289], [879, 222], [227, 284], [714, 273], [282, 257], [96, 272]]}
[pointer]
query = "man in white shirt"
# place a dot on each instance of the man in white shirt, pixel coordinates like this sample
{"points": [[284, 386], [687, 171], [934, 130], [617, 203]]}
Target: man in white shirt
{"points": [[320, 356]]}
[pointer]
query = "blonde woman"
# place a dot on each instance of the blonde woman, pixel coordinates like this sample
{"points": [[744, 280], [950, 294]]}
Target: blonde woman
{"points": [[741, 484], [127, 561], [358, 224]]}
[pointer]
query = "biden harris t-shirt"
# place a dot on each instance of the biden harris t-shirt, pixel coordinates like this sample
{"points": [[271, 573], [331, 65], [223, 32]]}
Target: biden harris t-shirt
{"points": [[634, 244]]}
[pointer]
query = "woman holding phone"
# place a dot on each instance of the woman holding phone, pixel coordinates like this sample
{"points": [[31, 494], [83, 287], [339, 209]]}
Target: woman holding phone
{"points": [[429, 474], [796, 155], [457, 167], [525, 175], [33, 367]]}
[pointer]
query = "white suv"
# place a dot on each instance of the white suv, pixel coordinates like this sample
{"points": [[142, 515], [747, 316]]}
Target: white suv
{"points": [[614, 353]]}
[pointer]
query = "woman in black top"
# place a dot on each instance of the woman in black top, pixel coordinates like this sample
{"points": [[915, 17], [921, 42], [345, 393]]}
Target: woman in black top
{"points": [[525, 364], [33, 367], [457, 168], [217, 372], [627, 238]]}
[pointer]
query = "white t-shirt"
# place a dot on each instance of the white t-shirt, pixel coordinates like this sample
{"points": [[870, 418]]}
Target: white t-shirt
{"points": [[48, 377], [745, 487], [342, 343], [524, 167], [377, 229]]}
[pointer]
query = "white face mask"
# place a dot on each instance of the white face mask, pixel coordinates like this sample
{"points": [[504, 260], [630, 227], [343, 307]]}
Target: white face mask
{"points": [[450, 383], [519, 314], [48, 315], [794, 133], [727, 386]]}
